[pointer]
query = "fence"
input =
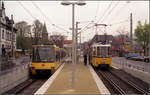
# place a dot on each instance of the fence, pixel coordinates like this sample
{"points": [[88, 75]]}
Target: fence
{"points": [[12, 77], [139, 70], [141, 66], [13, 72], [6, 63]]}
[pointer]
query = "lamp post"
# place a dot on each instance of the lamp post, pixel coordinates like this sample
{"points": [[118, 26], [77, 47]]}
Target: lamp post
{"points": [[66, 3]]}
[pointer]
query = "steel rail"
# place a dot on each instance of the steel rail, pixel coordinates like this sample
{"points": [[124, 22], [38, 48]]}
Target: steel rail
{"points": [[131, 84], [112, 83]]}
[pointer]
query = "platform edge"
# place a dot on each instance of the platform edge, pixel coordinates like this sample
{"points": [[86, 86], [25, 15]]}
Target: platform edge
{"points": [[102, 88]]}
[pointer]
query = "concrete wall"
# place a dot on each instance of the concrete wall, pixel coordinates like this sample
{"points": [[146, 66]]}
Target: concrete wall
{"points": [[10, 79], [145, 76]]}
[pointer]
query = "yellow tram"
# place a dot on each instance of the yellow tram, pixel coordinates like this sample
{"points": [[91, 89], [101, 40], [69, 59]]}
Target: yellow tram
{"points": [[44, 59], [101, 55]]}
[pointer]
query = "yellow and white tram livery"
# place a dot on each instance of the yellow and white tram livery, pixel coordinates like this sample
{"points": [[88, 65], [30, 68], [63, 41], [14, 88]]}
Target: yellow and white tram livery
{"points": [[101, 55], [44, 59]]}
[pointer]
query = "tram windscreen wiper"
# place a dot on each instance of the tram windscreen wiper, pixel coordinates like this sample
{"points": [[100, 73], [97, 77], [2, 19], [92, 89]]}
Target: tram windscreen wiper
{"points": [[43, 54]]}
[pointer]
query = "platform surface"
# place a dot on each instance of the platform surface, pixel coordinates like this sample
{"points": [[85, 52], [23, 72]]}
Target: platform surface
{"points": [[84, 82]]}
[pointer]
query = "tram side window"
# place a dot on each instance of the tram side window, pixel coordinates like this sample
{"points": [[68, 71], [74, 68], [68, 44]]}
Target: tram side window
{"points": [[104, 52], [109, 51], [57, 56], [94, 51], [99, 51]]}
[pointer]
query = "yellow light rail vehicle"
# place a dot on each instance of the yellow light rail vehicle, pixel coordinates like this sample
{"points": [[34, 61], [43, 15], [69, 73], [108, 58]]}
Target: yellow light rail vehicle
{"points": [[101, 55], [44, 60]]}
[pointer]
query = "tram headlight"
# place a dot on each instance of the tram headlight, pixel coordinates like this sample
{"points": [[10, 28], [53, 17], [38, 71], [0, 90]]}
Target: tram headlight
{"points": [[32, 67]]}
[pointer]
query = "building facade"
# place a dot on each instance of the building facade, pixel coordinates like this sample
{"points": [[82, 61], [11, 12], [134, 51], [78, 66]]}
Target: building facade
{"points": [[68, 46], [6, 29]]}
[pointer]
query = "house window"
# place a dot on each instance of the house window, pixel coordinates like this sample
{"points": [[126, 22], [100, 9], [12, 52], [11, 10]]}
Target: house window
{"points": [[3, 34], [6, 35]]}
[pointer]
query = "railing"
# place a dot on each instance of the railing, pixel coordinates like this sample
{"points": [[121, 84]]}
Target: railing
{"points": [[8, 65], [132, 64]]}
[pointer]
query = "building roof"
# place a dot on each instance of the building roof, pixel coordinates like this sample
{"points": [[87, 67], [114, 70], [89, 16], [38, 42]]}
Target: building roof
{"points": [[9, 27], [8, 21], [67, 41]]}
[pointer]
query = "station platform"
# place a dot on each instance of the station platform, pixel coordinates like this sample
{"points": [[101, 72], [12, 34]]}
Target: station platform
{"points": [[86, 81]]}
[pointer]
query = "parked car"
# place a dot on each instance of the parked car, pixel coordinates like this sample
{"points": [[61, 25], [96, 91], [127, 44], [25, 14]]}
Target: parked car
{"points": [[146, 59], [141, 58], [131, 55], [138, 58]]}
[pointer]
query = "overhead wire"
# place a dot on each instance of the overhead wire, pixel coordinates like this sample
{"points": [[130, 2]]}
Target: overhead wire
{"points": [[42, 12], [50, 22], [97, 10], [99, 18], [26, 10], [123, 21], [109, 6], [120, 10], [110, 11], [86, 26]]}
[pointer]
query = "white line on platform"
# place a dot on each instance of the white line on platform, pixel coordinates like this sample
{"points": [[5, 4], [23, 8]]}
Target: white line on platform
{"points": [[48, 83], [100, 84], [114, 67]]}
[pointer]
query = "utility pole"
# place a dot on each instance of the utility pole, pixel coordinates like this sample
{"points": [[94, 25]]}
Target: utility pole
{"points": [[76, 41], [131, 43], [12, 34], [73, 46], [80, 44], [149, 45]]}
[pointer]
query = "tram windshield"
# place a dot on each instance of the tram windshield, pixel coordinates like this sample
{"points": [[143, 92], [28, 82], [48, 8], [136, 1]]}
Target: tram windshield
{"points": [[103, 51], [43, 54]]}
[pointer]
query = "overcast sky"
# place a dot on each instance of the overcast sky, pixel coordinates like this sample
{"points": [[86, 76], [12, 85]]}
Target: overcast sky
{"points": [[55, 13]]}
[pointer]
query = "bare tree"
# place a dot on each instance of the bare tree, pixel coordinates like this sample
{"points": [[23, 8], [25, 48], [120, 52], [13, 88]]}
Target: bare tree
{"points": [[57, 39], [123, 34], [37, 31]]}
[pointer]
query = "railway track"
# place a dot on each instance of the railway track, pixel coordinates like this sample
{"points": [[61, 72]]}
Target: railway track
{"points": [[33, 87], [117, 85], [141, 90], [28, 87]]}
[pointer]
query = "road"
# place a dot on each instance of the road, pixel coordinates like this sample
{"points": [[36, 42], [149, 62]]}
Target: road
{"points": [[139, 65]]}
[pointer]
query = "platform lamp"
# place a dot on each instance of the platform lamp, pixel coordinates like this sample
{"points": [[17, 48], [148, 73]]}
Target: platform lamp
{"points": [[80, 3]]}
